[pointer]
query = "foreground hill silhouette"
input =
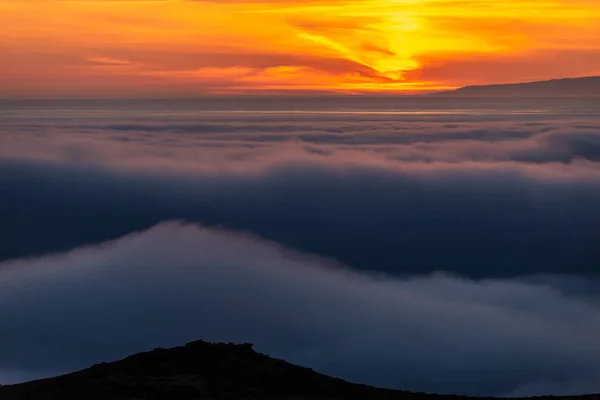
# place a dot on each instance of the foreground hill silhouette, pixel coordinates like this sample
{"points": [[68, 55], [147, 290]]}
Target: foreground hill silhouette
{"points": [[202, 370], [581, 87]]}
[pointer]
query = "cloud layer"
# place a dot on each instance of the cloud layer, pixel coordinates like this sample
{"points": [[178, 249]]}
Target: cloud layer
{"points": [[178, 282], [458, 242]]}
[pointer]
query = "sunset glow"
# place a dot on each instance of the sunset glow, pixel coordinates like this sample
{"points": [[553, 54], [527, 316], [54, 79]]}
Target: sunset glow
{"points": [[183, 48]]}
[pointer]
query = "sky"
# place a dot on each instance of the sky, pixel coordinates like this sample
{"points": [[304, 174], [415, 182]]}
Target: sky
{"points": [[165, 48]]}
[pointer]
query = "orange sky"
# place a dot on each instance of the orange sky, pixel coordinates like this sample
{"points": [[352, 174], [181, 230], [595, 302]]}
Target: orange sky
{"points": [[121, 48]]}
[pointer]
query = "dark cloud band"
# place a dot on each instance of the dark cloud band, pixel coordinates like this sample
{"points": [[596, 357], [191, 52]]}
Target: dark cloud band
{"points": [[473, 219]]}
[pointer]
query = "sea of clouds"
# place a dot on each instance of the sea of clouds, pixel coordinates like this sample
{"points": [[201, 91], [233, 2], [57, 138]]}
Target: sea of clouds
{"points": [[439, 252]]}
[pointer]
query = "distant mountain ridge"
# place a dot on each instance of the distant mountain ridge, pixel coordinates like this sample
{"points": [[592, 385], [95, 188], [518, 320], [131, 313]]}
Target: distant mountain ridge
{"points": [[202, 370], [567, 87]]}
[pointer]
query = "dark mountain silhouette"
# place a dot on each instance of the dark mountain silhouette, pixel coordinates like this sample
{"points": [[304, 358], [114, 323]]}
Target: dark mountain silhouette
{"points": [[588, 86], [201, 370]]}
